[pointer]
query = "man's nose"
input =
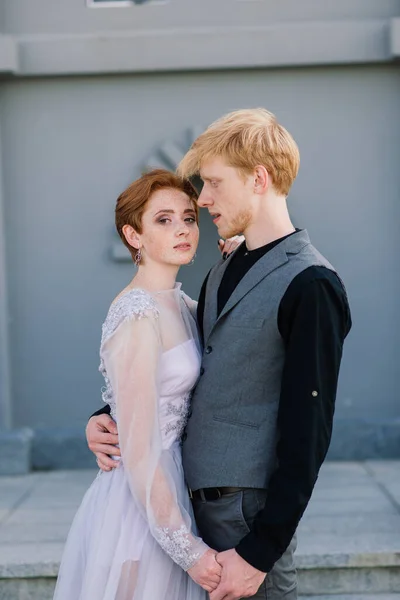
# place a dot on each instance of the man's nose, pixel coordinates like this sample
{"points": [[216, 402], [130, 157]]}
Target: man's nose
{"points": [[204, 199]]}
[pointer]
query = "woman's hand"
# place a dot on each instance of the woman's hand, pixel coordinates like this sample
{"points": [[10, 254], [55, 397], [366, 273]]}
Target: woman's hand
{"points": [[207, 572], [226, 247]]}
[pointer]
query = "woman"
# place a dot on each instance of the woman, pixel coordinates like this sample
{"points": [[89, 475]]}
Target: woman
{"points": [[134, 536]]}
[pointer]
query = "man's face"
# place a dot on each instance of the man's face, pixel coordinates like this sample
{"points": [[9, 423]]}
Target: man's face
{"points": [[227, 196]]}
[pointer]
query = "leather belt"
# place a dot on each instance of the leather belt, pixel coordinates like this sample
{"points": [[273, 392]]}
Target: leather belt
{"points": [[206, 494]]}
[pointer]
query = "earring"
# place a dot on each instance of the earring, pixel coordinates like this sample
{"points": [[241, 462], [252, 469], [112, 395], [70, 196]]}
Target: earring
{"points": [[193, 259], [138, 257]]}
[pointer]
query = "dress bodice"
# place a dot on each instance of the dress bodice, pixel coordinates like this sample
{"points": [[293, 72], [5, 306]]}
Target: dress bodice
{"points": [[178, 366]]}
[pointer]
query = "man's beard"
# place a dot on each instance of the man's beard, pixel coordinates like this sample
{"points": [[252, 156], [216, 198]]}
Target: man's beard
{"points": [[238, 225]]}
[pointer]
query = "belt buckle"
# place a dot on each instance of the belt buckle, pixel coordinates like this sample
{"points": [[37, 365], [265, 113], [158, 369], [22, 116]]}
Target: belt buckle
{"points": [[219, 493], [190, 493]]}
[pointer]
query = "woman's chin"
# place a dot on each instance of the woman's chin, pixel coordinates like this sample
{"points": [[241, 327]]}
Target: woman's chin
{"points": [[186, 260]]}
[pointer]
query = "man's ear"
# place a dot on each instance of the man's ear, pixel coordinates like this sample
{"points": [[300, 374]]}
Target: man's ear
{"points": [[261, 179], [131, 236]]}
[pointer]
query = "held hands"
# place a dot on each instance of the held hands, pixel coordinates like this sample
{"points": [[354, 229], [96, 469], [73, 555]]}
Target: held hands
{"points": [[238, 579], [206, 572], [102, 438]]}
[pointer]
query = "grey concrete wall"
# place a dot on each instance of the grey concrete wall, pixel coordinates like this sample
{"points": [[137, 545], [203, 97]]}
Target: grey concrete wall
{"points": [[2, 17], [71, 144]]}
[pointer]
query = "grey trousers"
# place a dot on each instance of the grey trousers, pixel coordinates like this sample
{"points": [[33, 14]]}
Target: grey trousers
{"points": [[224, 522]]}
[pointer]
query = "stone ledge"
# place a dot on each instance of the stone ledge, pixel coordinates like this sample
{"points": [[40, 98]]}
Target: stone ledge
{"points": [[16, 451], [265, 46], [372, 596], [349, 561], [26, 561], [363, 439], [353, 439], [61, 448], [65, 448], [31, 560], [8, 54], [29, 570], [395, 37]]}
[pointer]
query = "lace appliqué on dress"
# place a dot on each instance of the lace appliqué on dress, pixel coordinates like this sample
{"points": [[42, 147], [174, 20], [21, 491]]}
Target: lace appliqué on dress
{"points": [[180, 410], [177, 545], [135, 303]]}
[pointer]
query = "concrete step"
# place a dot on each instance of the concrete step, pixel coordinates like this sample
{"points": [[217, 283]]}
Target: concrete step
{"points": [[30, 574], [375, 573], [348, 539], [354, 597]]}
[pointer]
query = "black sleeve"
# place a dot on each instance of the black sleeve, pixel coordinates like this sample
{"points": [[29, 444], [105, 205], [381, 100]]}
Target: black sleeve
{"points": [[314, 319], [105, 410], [200, 307]]}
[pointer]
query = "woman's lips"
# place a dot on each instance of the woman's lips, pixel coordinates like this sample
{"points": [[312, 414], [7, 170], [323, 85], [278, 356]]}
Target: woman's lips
{"points": [[183, 247]]}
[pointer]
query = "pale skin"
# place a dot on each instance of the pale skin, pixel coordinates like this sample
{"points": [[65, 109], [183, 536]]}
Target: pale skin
{"points": [[238, 203]]}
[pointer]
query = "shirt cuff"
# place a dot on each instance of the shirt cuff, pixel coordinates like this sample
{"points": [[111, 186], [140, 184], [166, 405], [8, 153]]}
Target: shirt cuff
{"points": [[256, 553]]}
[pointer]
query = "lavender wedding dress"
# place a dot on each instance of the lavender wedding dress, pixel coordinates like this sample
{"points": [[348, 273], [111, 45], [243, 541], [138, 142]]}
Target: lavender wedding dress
{"points": [[134, 535]]}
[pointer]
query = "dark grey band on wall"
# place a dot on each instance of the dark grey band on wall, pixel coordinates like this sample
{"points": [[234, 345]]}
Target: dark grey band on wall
{"points": [[359, 439], [65, 448]]}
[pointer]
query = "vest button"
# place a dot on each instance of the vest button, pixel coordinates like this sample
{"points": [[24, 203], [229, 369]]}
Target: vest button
{"points": [[208, 350], [202, 371]]}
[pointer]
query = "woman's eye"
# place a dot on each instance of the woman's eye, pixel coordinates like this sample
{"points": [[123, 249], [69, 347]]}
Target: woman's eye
{"points": [[214, 183], [190, 220], [164, 220]]}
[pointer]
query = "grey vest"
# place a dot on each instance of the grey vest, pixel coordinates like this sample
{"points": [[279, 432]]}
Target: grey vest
{"points": [[231, 435]]}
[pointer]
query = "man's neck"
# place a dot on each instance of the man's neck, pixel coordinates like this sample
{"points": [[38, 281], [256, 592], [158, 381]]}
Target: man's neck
{"points": [[270, 222], [259, 236]]}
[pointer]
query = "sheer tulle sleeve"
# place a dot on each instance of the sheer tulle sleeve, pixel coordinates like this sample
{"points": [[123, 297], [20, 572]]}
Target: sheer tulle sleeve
{"points": [[132, 359], [191, 304]]}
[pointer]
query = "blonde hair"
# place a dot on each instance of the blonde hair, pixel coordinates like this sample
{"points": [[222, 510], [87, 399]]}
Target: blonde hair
{"points": [[244, 139]]}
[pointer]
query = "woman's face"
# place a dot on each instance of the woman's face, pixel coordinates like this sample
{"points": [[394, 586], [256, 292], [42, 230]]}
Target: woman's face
{"points": [[170, 233]]}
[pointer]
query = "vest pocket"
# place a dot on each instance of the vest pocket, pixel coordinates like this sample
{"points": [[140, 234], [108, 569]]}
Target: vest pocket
{"points": [[237, 422], [245, 322]]}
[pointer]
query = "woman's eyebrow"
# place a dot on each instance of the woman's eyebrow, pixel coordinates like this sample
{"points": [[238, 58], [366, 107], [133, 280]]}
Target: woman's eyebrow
{"points": [[165, 210], [170, 211]]}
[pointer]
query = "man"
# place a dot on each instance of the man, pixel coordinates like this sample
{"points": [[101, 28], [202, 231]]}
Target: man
{"points": [[273, 317]]}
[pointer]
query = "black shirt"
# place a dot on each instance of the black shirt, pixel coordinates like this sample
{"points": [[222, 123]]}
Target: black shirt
{"points": [[313, 320]]}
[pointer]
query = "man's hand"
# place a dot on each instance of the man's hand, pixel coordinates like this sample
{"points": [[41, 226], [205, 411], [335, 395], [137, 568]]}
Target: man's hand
{"points": [[226, 247], [238, 579], [206, 572], [102, 438]]}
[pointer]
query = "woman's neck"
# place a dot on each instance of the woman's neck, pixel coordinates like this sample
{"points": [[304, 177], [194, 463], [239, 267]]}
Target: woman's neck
{"points": [[155, 278]]}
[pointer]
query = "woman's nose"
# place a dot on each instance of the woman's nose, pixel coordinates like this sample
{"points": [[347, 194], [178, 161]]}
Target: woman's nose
{"points": [[183, 229]]}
